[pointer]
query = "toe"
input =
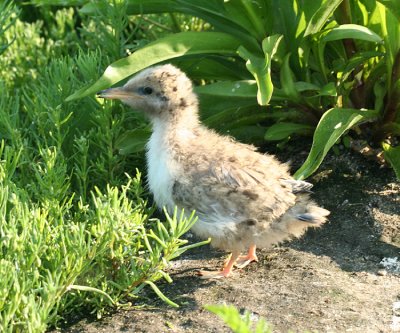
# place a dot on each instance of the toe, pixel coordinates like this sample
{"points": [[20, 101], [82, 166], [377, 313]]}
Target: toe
{"points": [[243, 261], [214, 274]]}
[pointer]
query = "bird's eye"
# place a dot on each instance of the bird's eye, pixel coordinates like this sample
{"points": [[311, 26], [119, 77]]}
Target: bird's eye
{"points": [[145, 90]]}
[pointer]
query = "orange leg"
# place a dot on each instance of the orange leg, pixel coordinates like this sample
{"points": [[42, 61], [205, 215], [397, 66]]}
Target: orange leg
{"points": [[243, 261], [227, 270]]}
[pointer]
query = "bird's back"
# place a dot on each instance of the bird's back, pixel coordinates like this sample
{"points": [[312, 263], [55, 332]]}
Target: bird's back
{"points": [[228, 184]]}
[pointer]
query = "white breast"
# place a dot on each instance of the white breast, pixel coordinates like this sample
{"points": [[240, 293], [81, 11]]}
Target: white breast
{"points": [[160, 168]]}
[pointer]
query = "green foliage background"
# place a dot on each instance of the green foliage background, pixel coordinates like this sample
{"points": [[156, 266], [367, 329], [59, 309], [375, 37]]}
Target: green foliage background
{"points": [[284, 68]]}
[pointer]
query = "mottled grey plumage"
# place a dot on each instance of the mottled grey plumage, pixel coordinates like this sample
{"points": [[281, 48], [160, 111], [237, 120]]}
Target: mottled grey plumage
{"points": [[243, 198]]}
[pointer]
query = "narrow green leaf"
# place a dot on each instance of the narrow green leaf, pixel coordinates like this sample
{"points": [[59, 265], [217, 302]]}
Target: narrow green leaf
{"points": [[170, 47], [330, 128], [280, 131], [392, 155], [91, 289], [352, 31], [157, 239], [161, 295], [183, 249], [321, 16]]}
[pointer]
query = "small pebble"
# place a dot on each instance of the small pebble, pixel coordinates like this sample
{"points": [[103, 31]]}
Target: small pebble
{"points": [[382, 272]]}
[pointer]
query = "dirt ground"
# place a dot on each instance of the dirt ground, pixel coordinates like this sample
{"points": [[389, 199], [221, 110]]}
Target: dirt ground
{"points": [[341, 278]]}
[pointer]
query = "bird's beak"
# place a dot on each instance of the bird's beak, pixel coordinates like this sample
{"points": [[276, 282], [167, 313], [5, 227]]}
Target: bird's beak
{"points": [[117, 93]]}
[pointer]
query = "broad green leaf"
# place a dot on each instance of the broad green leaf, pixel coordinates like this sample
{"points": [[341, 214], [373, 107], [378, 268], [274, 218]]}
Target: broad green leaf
{"points": [[261, 67], [262, 73], [380, 92], [280, 131], [321, 16], [137, 7], [132, 141], [306, 86], [246, 89], [328, 90], [220, 109], [351, 31], [249, 120], [345, 31], [170, 47], [357, 60], [284, 16], [330, 128], [250, 113], [249, 15], [287, 81], [392, 5], [252, 134], [394, 128], [68, 3], [392, 154], [390, 26], [215, 67], [212, 11], [270, 45]]}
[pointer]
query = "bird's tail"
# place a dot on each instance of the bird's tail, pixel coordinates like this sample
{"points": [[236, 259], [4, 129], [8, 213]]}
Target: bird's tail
{"points": [[303, 215]]}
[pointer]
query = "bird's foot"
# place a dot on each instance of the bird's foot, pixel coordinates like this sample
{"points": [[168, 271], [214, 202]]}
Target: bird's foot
{"points": [[243, 261], [215, 274], [226, 271]]}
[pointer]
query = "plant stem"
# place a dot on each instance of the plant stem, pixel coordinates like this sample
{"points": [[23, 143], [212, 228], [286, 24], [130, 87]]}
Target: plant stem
{"points": [[175, 23]]}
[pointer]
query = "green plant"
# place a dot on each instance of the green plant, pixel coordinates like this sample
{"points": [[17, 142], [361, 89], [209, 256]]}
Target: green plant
{"points": [[239, 323], [289, 65], [62, 250], [76, 232], [8, 15]]}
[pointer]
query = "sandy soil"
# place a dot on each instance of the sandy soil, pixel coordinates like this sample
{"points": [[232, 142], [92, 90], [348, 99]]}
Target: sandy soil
{"points": [[331, 280]]}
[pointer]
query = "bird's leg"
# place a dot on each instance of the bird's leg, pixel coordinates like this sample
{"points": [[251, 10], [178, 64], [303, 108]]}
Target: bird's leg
{"points": [[227, 260], [243, 261], [227, 270]]}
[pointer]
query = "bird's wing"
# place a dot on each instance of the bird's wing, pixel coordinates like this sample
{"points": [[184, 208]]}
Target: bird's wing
{"points": [[234, 190], [298, 186], [233, 176]]}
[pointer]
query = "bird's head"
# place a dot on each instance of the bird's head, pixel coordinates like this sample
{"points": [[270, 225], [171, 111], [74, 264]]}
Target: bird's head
{"points": [[158, 91]]}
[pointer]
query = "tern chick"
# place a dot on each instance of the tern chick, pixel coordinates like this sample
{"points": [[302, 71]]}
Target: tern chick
{"points": [[243, 199]]}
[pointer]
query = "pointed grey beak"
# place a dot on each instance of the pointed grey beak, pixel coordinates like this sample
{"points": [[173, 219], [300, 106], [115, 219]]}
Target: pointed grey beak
{"points": [[115, 93], [118, 93]]}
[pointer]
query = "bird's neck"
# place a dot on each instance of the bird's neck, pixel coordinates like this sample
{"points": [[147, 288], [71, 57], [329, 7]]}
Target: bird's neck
{"points": [[186, 119]]}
